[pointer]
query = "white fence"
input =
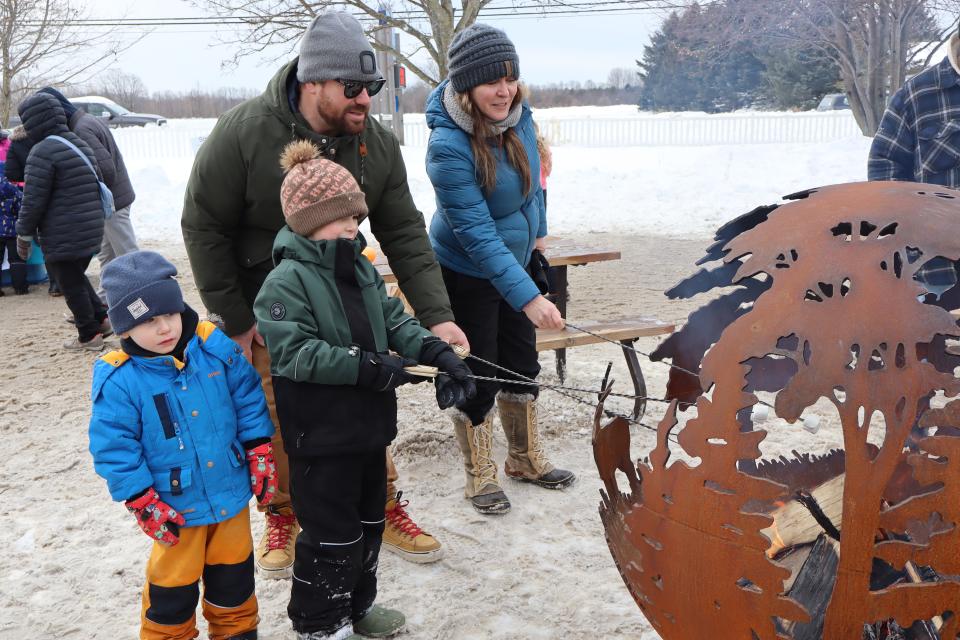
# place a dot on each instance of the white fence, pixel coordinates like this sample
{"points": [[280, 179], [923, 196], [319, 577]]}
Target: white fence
{"points": [[181, 138], [678, 129]]}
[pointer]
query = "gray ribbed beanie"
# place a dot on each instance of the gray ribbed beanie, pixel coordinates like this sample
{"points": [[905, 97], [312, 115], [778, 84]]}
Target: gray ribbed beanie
{"points": [[139, 286], [335, 47], [478, 54]]}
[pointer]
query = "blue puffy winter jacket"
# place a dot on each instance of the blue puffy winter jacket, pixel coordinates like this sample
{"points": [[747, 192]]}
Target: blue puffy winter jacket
{"points": [[179, 428], [479, 234]]}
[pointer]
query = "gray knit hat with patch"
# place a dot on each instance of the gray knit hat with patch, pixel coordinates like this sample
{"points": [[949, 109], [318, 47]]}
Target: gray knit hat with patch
{"points": [[139, 286], [481, 53], [335, 48]]}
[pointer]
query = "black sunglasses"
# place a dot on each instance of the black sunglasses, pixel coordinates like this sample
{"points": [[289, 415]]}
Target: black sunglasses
{"points": [[353, 88]]}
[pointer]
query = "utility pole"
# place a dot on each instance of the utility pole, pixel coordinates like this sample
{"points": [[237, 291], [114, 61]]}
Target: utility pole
{"points": [[386, 104]]}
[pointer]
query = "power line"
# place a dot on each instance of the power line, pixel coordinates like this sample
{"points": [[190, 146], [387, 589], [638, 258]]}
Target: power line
{"points": [[576, 8]]}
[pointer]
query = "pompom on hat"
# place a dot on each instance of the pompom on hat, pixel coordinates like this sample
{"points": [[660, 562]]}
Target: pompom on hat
{"points": [[316, 191]]}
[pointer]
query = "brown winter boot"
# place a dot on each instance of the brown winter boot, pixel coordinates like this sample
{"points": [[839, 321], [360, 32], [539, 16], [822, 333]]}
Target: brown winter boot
{"points": [[276, 549], [476, 444], [526, 460], [402, 536]]}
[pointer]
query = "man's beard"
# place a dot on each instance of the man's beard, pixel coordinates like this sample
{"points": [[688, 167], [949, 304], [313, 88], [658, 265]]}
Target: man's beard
{"points": [[338, 119]]}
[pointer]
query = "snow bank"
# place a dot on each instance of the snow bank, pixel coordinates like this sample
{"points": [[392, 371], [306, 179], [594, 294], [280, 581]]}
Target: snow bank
{"points": [[676, 191]]}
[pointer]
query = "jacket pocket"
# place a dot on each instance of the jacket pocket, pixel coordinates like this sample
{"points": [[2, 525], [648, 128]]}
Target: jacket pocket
{"points": [[237, 454], [172, 481], [939, 146]]}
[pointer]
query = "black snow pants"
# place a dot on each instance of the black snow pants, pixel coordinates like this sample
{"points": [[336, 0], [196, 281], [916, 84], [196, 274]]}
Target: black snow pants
{"points": [[339, 502]]}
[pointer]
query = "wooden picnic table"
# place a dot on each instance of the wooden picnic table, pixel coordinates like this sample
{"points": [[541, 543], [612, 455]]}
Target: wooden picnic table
{"points": [[561, 253]]}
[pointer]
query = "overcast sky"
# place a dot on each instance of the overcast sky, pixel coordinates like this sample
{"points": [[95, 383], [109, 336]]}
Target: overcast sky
{"points": [[551, 49]]}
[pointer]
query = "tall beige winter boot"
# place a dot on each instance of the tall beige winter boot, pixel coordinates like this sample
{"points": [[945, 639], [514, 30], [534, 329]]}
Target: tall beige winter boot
{"points": [[476, 444], [526, 460]]}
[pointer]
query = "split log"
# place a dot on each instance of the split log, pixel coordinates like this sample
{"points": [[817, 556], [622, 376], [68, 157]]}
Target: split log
{"points": [[794, 523], [813, 588]]}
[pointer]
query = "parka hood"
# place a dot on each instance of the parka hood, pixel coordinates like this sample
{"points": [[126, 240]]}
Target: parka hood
{"points": [[435, 113], [68, 108], [42, 115], [277, 94], [280, 96]]}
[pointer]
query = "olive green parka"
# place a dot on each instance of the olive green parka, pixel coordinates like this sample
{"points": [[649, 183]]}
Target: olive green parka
{"points": [[231, 210]]}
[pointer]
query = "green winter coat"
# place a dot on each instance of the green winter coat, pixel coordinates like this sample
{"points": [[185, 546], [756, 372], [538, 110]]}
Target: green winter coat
{"points": [[231, 210], [304, 320]]}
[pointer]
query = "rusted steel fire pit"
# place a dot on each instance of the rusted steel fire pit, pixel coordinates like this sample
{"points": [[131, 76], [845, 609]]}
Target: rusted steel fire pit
{"points": [[827, 299]]}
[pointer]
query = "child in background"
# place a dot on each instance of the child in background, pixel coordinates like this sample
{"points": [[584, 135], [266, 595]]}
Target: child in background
{"points": [[180, 432], [546, 163], [328, 324], [10, 197]]}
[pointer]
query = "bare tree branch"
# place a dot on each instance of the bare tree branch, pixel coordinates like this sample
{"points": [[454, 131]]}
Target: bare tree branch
{"points": [[431, 24], [39, 46], [872, 42]]}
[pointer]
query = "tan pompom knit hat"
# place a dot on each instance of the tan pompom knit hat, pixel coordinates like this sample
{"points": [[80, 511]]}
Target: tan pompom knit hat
{"points": [[316, 191]]}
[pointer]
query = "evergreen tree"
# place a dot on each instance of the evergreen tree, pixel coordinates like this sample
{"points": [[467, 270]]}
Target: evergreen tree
{"points": [[704, 58], [798, 78], [682, 70]]}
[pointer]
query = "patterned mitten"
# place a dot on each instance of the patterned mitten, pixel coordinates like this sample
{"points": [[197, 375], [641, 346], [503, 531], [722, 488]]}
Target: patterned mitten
{"points": [[263, 473], [157, 519]]}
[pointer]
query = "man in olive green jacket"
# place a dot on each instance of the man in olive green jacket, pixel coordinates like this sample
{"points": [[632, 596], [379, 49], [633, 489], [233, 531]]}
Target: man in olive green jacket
{"points": [[232, 214]]}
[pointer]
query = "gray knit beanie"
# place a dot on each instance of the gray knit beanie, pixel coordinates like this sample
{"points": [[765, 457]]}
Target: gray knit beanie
{"points": [[478, 54], [335, 47], [139, 286]]}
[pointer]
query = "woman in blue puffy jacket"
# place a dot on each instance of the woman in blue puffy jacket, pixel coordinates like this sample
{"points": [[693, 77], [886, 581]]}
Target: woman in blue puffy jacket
{"points": [[482, 160]]}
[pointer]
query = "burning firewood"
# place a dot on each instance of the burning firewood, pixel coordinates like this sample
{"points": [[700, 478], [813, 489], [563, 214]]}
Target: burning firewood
{"points": [[805, 516]]}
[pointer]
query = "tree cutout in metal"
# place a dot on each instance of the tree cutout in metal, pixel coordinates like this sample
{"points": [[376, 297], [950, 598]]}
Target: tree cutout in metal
{"points": [[827, 303]]}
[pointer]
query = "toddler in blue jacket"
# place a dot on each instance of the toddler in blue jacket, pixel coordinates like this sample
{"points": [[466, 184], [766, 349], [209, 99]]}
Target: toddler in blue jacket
{"points": [[180, 432]]}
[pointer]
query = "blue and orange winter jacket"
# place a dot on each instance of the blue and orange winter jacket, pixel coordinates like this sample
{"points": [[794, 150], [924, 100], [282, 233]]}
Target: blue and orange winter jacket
{"points": [[478, 234], [179, 428]]}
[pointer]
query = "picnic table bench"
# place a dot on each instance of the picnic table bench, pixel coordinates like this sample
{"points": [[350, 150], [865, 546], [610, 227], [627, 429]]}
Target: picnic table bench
{"points": [[562, 253], [626, 331]]}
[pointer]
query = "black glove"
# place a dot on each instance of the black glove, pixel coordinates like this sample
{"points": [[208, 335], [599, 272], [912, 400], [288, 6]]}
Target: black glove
{"points": [[384, 371], [24, 246], [457, 386], [539, 270]]}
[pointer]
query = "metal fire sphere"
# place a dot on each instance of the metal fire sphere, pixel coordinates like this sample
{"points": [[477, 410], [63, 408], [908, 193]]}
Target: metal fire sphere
{"points": [[844, 293]]}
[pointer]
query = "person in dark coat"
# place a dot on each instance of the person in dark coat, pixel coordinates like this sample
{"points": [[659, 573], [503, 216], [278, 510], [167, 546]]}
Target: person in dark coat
{"points": [[118, 235], [17, 152], [62, 208]]}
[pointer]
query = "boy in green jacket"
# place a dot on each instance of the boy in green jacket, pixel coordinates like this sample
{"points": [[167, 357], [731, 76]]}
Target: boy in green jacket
{"points": [[329, 325]]}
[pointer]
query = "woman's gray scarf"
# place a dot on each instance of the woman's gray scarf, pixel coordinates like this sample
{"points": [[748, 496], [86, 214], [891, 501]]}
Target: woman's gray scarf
{"points": [[465, 122]]}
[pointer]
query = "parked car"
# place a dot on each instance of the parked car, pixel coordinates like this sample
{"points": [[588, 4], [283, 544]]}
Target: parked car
{"points": [[114, 114], [833, 102]]}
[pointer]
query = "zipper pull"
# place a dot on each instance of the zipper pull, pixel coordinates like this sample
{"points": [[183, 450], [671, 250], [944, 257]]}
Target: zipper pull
{"points": [[176, 430]]}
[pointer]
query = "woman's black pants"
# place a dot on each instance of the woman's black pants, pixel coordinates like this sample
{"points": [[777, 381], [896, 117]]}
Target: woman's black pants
{"points": [[497, 334]]}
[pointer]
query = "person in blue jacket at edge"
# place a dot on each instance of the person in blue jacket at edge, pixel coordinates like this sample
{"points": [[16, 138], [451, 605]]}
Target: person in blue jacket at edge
{"points": [[180, 432]]}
